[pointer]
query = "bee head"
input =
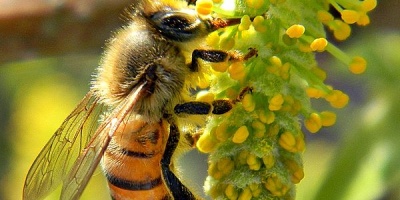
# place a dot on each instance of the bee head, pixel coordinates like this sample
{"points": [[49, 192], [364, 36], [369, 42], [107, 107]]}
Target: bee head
{"points": [[175, 19]]}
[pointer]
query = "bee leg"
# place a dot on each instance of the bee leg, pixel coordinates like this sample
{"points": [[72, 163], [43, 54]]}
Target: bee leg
{"points": [[217, 107], [177, 189], [218, 56]]}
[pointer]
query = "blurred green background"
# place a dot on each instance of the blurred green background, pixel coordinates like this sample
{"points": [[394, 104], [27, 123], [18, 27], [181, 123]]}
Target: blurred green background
{"points": [[44, 74]]}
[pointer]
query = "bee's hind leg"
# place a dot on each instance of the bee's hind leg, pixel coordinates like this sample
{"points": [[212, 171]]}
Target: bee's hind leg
{"points": [[219, 106], [175, 186]]}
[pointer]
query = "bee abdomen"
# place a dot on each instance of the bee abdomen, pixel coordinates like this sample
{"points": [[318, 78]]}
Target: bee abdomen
{"points": [[138, 154], [133, 184], [131, 163]]}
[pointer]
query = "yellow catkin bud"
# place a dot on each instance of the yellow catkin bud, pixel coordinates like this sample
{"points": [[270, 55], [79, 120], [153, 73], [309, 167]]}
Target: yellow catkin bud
{"points": [[295, 31], [212, 39], [231, 192], [255, 189], [313, 123], [304, 47], [204, 7], [205, 96], [275, 103], [296, 170], [212, 167], [242, 157], [266, 117], [324, 16], [225, 165], [256, 193], [204, 82], [300, 144], [248, 103], [226, 42], [314, 92], [368, 5], [214, 172], [337, 99], [253, 162], [269, 161], [255, 167], [291, 105], [291, 143], [350, 16], [260, 28], [237, 71], [298, 175], [287, 141], [245, 194], [274, 107], [320, 73], [328, 118], [358, 65], [253, 186], [245, 23], [284, 71], [296, 107], [258, 24], [273, 130], [221, 132], [342, 31], [319, 44], [276, 61], [256, 4], [275, 186], [277, 99], [217, 175], [272, 69], [240, 135], [220, 66], [205, 143], [259, 128], [363, 20]]}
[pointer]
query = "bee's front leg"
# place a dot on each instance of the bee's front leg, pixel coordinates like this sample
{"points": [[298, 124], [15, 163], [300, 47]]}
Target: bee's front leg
{"points": [[218, 56]]}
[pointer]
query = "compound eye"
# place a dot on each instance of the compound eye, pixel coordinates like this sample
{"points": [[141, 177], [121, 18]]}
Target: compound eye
{"points": [[177, 25]]}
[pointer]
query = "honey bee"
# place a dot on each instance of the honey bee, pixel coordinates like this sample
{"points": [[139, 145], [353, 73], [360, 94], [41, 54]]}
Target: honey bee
{"points": [[127, 121]]}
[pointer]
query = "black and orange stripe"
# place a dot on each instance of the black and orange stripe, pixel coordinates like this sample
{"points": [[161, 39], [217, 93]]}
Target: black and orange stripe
{"points": [[132, 161]]}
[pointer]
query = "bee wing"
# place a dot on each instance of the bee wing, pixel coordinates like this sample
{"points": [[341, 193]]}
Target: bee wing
{"points": [[85, 165], [76, 148], [56, 158]]}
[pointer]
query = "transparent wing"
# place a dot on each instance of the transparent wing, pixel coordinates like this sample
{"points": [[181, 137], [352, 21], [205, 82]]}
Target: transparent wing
{"points": [[64, 147], [76, 148], [85, 165]]}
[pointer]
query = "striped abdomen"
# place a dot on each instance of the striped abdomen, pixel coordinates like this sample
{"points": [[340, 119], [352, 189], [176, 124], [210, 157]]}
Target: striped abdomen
{"points": [[132, 161]]}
